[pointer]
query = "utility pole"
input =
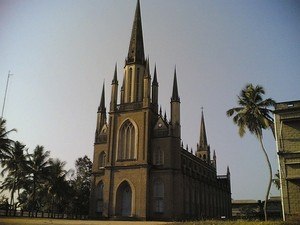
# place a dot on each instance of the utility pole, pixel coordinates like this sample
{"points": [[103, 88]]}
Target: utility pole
{"points": [[7, 81]]}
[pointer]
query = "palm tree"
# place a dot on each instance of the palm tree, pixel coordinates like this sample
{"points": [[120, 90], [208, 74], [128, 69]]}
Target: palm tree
{"points": [[38, 170], [276, 180], [5, 142], [15, 166], [57, 185], [254, 114]]}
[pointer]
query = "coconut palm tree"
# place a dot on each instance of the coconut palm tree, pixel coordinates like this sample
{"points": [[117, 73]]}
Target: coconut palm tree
{"points": [[5, 142], [57, 185], [15, 166], [254, 114], [38, 169]]}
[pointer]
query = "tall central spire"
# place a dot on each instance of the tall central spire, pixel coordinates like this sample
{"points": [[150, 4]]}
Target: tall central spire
{"points": [[203, 139], [136, 46]]}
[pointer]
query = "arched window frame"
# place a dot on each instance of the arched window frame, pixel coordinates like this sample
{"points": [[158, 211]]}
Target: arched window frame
{"points": [[100, 194], [158, 157], [158, 195], [127, 141], [102, 160]]}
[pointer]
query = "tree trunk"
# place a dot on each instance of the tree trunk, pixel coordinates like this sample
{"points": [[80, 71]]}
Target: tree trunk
{"points": [[270, 176]]}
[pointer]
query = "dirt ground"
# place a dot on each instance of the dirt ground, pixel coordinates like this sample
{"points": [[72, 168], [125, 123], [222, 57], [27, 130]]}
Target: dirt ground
{"points": [[26, 221]]}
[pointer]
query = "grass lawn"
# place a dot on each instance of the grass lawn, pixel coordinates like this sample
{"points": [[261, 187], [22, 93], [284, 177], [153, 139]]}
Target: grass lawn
{"points": [[27, 221]]}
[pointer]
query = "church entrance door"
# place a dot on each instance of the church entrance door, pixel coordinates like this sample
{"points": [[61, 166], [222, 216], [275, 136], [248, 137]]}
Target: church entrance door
{"points": [[124, 199]]}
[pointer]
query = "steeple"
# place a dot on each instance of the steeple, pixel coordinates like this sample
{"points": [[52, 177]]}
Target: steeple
{"points": [[136, 46], [175, 96], [214, 161], [203, 139], [203, 150]]}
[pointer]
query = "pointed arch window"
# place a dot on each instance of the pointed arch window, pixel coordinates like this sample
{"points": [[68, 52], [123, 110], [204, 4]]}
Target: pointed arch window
{"points": [[99, 208], [158, 195], [102, 160], [158, 157], [127, 142]]}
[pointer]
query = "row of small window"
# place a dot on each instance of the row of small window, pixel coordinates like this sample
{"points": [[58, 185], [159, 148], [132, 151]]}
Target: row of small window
{"points": [[194, 167], [158, 158]]}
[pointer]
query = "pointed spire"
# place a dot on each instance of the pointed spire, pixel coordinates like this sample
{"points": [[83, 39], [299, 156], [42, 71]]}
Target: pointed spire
{"points": [[214, 156], [101, 107], [165, 117], [175, 96], [115, 79], [154, 82], [160, 113], [203, 139], [136, 46]]}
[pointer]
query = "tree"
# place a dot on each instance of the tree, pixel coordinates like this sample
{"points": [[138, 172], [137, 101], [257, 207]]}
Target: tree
{"points": [[254, 114], [276, 180], [81, 185], [15, 165], [57, 186], [38, 170], [5, 142]]}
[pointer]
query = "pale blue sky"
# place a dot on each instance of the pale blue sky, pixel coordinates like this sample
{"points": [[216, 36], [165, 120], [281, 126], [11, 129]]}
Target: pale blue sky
{"points": [[60, 52]]}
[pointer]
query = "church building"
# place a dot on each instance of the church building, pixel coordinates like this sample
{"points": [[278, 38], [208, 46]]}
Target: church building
{"points": [[140, 168]]}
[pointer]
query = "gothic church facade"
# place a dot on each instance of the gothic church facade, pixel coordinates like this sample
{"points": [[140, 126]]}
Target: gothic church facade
{"points": [[140, 168]]}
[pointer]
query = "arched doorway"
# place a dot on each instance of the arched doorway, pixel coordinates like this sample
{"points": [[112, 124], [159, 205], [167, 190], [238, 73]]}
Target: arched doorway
{"points": [[124, 200]]}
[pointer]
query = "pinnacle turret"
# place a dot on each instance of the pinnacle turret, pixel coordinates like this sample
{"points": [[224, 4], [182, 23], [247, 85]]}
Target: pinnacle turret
{"points": [[115, 79], [154, 82], [101, 107], [175, 96]]}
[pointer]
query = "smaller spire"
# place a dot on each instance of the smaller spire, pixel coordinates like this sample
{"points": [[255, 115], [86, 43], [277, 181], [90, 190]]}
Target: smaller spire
{"points": [[101, 107], [115, 79], [160, 113], [175, 96], [165, 117], [154, 82], [228, 171], [214, 156]]}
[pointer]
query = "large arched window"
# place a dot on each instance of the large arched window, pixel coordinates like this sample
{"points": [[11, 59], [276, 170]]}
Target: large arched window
{"points": [[102, 160], [127, 141], [99, 208], [158, 195]]}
